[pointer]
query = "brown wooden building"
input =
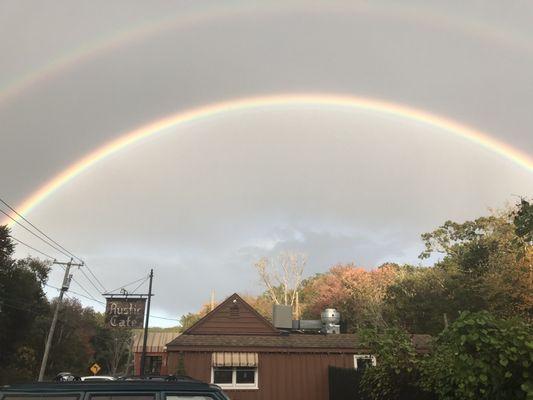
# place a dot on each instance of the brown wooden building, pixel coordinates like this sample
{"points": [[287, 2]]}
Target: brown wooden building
{"points": [[156, 354], [238, 349]]}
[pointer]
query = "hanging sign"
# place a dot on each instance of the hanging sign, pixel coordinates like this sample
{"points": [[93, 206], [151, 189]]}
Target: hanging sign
{"points": [[125, 312]]}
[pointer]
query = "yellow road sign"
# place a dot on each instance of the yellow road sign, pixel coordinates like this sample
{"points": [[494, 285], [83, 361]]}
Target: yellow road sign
{"points": [[95, 368]]}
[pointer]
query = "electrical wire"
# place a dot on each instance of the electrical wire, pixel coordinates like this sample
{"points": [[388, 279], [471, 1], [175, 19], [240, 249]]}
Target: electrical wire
{"points": [[38, 230], [128, 284], [140, 284], [77, 294], [36, 235], [61, 249], [165, 318], [90, 281], [96, 278], [81, 286], [33, 248]]}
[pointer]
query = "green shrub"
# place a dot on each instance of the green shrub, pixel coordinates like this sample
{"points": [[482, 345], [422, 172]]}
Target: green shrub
{"points": [[481, 357]]}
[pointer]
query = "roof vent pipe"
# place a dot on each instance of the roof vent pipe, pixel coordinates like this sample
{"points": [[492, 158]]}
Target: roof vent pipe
{"points": [[330, 319]]}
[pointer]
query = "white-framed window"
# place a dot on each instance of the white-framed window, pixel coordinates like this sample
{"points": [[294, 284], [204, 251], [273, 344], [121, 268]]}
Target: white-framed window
{"points": [[362, 361], [235, 377]]}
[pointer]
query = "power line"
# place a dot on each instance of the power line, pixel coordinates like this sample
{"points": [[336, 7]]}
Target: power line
{"points": [[129, 284], [90, 281], [96, 278], [33, 248], [168, 319], [77, 294], [140, 284], [21, 308], [34, 234], [37, 229], [82, 287], [103, 303], [63, 249], [85, 290]]}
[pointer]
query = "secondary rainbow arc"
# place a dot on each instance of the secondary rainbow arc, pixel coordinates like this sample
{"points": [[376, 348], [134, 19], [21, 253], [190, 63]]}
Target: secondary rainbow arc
{"points": [[321, 100]]}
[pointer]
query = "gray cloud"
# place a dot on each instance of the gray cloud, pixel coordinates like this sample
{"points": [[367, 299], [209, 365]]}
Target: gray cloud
{"points": [[202, 202]]}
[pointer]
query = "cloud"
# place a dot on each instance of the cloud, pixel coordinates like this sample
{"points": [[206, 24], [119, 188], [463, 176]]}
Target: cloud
{"points": [[201, 203]]}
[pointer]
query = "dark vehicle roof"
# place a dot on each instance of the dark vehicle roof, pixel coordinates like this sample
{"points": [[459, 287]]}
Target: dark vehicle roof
{"points": [[118, 386]]}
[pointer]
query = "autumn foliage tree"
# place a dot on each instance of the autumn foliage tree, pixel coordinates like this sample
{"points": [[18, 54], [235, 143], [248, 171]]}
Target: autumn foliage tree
{"points": [[357, 293], [488, 262], [282, 276]]}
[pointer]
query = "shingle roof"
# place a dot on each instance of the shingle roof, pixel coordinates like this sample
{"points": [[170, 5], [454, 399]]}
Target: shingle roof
{"points": [[155, 342], [293, 341]]}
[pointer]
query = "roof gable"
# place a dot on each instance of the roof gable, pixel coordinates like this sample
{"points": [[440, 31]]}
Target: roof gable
{"points": [[233, 316]]}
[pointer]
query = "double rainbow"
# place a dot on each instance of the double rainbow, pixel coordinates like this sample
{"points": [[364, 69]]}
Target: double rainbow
{"points": [[318, 100]]}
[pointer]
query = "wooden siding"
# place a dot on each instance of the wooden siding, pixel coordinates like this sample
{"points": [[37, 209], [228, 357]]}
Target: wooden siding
{"points": [[233, 317], [282, 376]]}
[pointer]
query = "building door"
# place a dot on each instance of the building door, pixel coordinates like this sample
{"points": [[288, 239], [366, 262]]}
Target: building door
{"points": [[152, 366]]}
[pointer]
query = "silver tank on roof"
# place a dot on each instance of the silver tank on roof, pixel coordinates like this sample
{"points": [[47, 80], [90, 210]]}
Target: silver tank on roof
{"points": [[330, 316]]}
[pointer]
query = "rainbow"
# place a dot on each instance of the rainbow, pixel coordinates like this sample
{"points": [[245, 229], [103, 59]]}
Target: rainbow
{"points": [[320, 100], [147, 30]]}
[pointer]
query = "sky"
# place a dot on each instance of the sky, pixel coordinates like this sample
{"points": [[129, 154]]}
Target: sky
{"points": [[203, 200]]}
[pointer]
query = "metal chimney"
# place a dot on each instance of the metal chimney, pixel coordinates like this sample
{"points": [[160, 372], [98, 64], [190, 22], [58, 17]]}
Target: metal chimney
{"points": [[330, 319]]}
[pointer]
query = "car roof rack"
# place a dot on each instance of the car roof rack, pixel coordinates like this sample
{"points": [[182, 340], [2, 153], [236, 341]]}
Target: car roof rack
{"points": [[166, 378], [137, 385]]}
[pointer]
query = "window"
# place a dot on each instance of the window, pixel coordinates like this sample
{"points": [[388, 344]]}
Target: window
{"points": [[39, 397], [235, 377], [123, 397], [223, 375], [362, 361], [235, 370]]}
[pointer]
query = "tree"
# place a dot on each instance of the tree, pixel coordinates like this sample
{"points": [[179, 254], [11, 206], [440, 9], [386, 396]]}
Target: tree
{"points": [[357, 293], [22, 303], [72, 345], [111, 347], [482, 357], [282, 276], [188, 320], [489, 266], [397, 371], [419, 300], [523, 220]]}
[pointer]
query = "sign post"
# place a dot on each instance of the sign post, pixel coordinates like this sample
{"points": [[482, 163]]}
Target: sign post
{"points": [[143, 355], [125, 311]]}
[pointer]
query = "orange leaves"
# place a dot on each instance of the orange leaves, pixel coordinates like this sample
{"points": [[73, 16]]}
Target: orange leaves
{"points": [[356, 292]]}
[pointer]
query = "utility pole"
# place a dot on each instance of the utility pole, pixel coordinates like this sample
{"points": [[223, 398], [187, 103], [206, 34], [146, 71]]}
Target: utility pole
{"points": [[145, 338], [66, 283]]}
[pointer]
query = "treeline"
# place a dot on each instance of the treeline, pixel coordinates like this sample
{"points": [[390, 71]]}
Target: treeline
{"points": [[481, 265], [80, 338], [476, 301], [484, 265]]}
